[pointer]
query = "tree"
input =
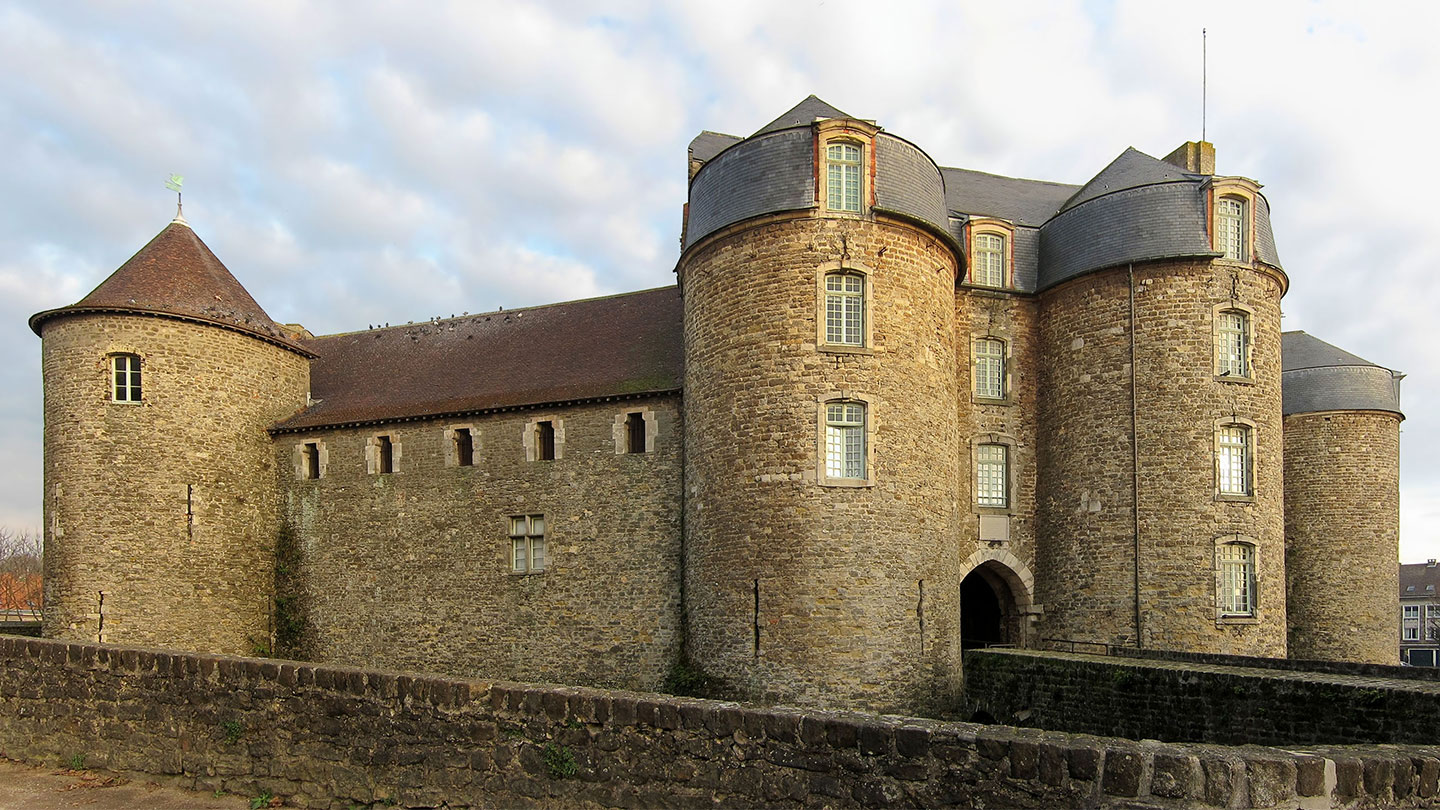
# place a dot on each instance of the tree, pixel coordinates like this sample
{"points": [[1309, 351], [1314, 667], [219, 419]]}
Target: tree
{"points": [[21, 595]]}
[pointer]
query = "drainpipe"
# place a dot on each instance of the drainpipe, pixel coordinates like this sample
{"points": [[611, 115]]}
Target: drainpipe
{"points": [[1134, 457]]}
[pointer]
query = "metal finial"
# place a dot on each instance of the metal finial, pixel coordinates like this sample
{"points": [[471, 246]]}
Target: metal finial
{"points": [[174, 184]]}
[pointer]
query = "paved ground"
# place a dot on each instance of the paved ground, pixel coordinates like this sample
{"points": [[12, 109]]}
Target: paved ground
{"points": [[25, 787]]}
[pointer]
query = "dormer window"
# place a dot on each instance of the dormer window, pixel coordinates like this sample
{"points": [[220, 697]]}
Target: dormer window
{"points": [[124, 378], [1231, 233], [843, 176], [988, 260]]}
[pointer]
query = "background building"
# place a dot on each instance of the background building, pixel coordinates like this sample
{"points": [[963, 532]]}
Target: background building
{"points": [[1420, 614]]}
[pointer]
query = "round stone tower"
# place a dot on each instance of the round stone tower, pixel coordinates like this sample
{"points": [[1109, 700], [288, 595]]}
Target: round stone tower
{"points": [[822, 463], [1161, 515], [160, 482], [1342, 503]]}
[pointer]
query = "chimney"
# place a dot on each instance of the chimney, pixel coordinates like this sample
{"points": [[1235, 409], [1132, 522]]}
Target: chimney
{"points": [[1195, 157]]}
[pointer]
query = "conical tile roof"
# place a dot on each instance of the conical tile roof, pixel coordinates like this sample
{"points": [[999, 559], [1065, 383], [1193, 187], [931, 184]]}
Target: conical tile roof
{"points": [[176, 275], [803, 113]]}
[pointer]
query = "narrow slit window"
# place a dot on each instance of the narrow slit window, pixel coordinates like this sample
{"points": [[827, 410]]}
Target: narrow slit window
{"points": [[635, 433], [464, 448], [385, 451], [312, 460], [545, 440], [125, 378]]}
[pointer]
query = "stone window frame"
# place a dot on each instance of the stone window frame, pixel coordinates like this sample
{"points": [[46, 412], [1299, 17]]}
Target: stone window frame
{"points": [[835, 131], [1008, 442], [1249, 426], [867, 298], [452, 447], [301, 460], [1223, 613], [373, 453], [530, 437], [1245, 192], [822, 435], [1006, 367], [1216, 313], [1005, 232], [620, 431], [522, 533], [137, 374]]}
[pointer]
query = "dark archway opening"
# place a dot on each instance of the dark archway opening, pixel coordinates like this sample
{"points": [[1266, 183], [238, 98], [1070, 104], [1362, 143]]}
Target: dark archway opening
{"points": [[987, 610]]}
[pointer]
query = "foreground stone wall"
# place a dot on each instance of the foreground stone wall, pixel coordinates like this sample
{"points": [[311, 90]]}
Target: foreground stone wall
{"points": [[332, 737], [1197, 702]]}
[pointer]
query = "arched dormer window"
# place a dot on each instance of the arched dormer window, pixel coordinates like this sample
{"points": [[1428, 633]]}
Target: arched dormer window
{"points": [[125, 378], [844, 170], [988, 260], [1231, 231]]}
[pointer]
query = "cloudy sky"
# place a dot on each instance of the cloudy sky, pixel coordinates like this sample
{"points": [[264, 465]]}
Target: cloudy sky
{"points": [[366, 162]]}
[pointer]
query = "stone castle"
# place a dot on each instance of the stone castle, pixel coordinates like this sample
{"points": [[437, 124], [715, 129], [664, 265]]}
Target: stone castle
{"points": [[890, 409]]}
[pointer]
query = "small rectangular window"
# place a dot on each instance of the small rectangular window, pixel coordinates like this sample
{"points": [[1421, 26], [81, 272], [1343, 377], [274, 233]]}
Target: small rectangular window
{"points": [[635, 433], [464, 447], [1237, 579], [1411, 622], [311, 451], [845, 309], [527, 543], [992, 472], [845, 440], [990, 368], [125, 378], [545, 440], [1231, 344], [385, 462], [1233, 460]]}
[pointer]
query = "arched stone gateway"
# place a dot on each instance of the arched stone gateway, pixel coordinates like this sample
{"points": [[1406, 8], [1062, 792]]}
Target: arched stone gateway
{"points": [[996, 600]]}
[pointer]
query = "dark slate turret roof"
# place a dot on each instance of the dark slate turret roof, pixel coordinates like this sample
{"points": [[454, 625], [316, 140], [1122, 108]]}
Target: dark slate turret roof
{"points": [[802, 114], [176, 275], [1131, 169], [1024, 202], [1316, 376], [708, 144], [582, 350]]}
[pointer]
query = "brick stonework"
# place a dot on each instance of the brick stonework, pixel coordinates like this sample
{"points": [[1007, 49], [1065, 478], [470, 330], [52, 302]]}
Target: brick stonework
{"points": [[1086, 518], [121, 478], [413, 569], [857, 586], [1342, 524]]}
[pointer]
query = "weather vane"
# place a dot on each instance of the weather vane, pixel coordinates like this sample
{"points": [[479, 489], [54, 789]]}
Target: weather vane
{"points": [[174, 184]]}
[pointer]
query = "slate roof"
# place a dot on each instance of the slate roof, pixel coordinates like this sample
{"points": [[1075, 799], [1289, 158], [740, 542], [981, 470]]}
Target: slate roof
{"points": [[1131, 169], [177, 275], [1316, 376], [802, 114], [1024, 202], [708, 144], [581, 350], [1299, 350], [1419, 575]]}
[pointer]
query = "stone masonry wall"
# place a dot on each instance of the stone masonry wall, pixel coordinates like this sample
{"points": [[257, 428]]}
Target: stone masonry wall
{"points": [[1197, 702], [1007, 566], [335, 737], [160, 516], [798, 591], [412, 569], [1342, 535], [1086, 519]]}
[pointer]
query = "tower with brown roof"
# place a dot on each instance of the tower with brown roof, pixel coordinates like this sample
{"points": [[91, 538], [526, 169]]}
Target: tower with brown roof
{"points": [[161, 505]]}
